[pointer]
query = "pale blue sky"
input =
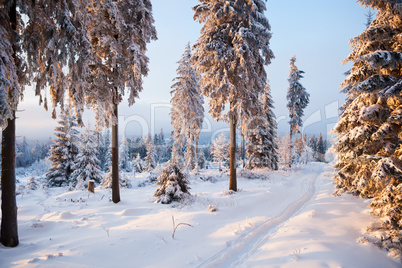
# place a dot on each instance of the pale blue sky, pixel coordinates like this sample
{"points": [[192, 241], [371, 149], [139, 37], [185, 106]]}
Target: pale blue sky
{"points": [[316, 31]]}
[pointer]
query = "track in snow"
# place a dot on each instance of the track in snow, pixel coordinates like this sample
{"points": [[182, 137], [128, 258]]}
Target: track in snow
{"points": [[239, 251]]}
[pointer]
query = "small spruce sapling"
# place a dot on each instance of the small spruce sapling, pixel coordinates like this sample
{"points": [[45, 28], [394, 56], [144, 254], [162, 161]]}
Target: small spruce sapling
{"points": [[173, 185]]}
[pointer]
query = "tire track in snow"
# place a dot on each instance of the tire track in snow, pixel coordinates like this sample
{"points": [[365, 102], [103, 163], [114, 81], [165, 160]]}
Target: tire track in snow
{"points": [[243, 248]]}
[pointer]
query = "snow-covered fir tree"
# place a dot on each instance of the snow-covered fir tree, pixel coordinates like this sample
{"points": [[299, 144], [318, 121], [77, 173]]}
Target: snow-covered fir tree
{"points": [[124, 157], [312, 143], [63, 153], [230, 55], [261, 146], [369, 144], [190, 155], [284, 154], [220, 150], [297, 97], [23, 153], [87, 166], [173, 185], [32, 184], [138, 164], [149, 160], [187, 112], [119, 32], [201, 159], [304, 150], [107, 149]]}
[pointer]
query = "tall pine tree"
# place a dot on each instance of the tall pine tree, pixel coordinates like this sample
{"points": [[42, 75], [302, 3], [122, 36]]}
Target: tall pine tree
{"points": [[187, 113], [87, 166], [63, 153], [369, 142], [261, 146], [119, 32], [230, 55], [298, 99]]}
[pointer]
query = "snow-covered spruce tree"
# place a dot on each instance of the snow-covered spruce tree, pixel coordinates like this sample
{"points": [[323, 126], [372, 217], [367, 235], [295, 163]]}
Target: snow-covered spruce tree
{"points": [[261, 135], [119, 32], [48, 39], [230, 55], [107, 149], [187, 112], [190, 155], [312, 143], [369, 142], [298, 99], [86, 167], [149, 160], [138, 164], [173, 185], [284, 155], [24, 155], [56, 37], [124, 157], [63, 153], [13, 78], [201, 159], [219, 150]]}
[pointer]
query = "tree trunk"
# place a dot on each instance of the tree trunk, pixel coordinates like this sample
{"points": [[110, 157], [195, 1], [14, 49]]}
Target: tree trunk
{"points": [[290, 149], [9, 227], [233, 180], [115, 156], [91, 186], [243, 149]]}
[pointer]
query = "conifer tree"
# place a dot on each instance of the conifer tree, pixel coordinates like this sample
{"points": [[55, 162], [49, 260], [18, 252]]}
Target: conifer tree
{"points": [[53, 37], [298, 99], [124, 155], [312, 143], [369, 144], [87, 166], [285, 156], [119, 32], [219, 150], [138, 165], [230, 55], [320, 149], [262, 147], [190, 155], [13, 77], [24, 155], [63, 153], [108, 152], [173, 185], [187, 113], [149, 160]]}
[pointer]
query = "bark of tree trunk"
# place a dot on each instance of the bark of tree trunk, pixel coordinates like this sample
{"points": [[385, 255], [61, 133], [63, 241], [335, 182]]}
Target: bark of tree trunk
{"points": [[115, 157], [233, 180], [9, 227], [91, 186], [243, 149], [290, 149]]}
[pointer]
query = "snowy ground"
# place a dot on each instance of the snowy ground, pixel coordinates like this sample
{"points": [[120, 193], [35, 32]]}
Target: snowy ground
{"points": [[288, 219]]}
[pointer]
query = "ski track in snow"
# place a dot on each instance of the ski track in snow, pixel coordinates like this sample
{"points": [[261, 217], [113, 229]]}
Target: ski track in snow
{"points": [[239, 251]]}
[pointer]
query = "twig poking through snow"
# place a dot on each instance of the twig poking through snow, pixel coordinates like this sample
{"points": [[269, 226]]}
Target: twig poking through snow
{"points": [[296, 254], [175, 226]]}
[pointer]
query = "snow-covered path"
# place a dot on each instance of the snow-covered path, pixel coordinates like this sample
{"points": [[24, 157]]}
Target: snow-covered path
{"points": [[240, 251]]}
